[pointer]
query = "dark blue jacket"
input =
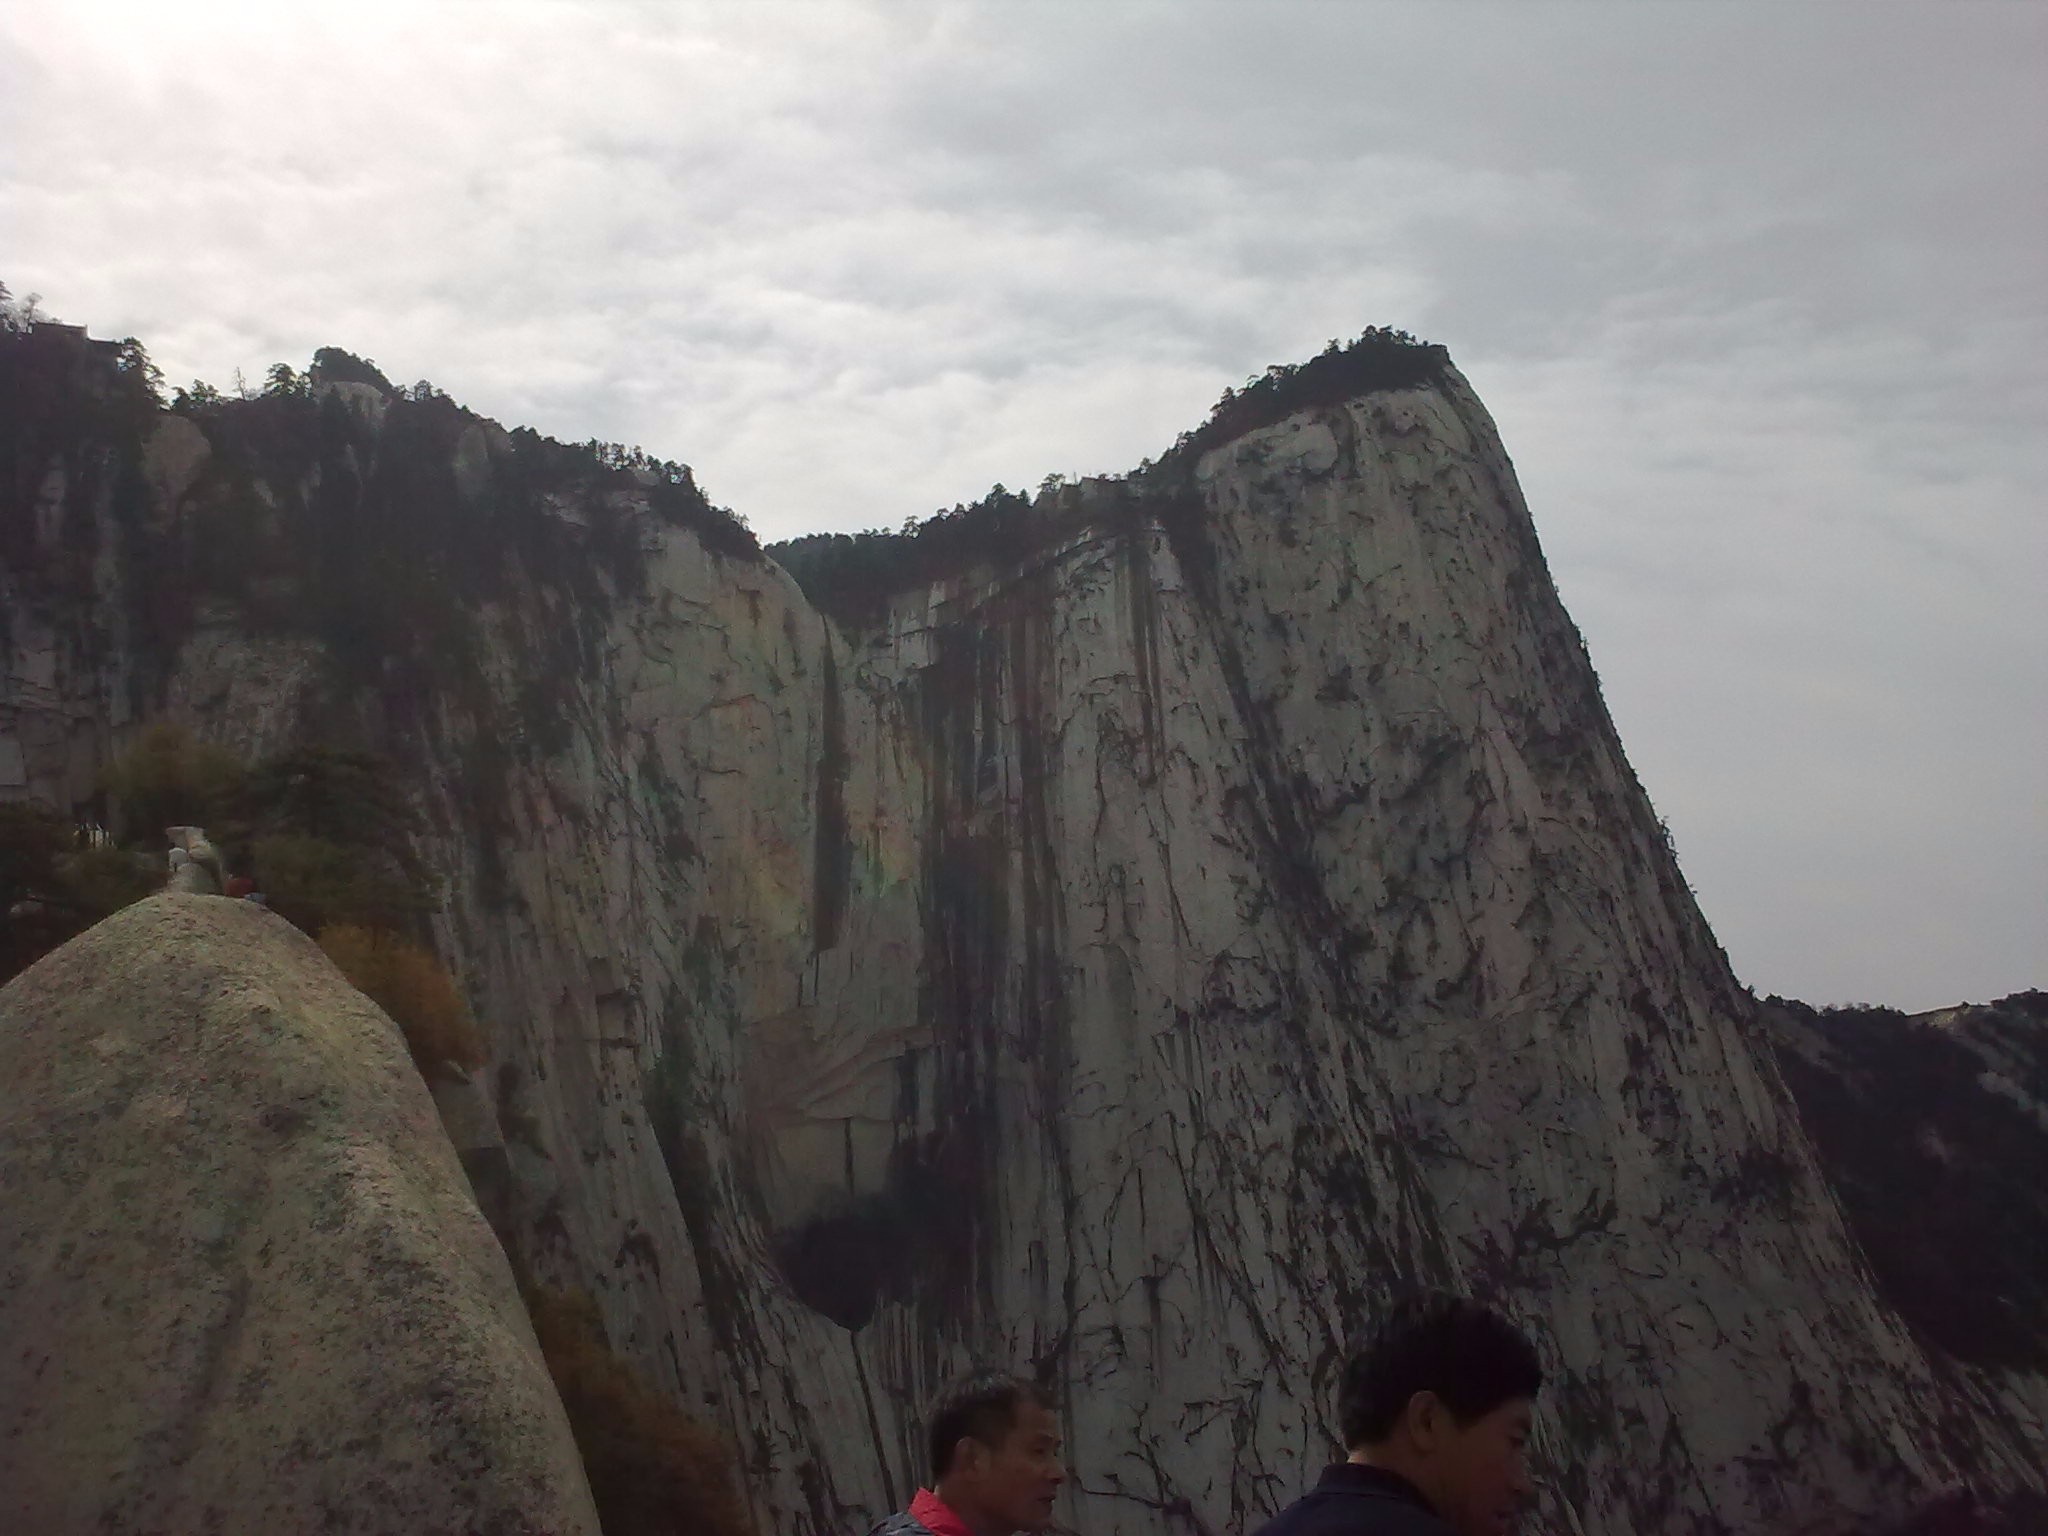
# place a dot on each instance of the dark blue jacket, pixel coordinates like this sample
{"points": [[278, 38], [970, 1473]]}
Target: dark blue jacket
{"points": [[1351, 1500]]}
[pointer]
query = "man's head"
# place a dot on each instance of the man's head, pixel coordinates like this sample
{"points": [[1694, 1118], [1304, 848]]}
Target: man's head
{"points": [[1442, 1395], [996, 1453]]}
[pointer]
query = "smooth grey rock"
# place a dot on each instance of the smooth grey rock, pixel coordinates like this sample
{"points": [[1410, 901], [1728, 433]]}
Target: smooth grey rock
{"points": [[242, 1283]]}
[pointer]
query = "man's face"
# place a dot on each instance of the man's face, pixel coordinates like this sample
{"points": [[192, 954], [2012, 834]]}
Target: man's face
{"points": [[1483, 1473], [1012, 1485]]}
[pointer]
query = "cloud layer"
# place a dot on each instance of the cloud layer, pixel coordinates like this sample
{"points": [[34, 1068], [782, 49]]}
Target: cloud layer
{"points": [[1755, 294]]}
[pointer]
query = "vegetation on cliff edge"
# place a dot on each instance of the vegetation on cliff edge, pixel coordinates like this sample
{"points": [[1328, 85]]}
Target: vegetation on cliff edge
{"points": [[1929, 1133], [851, 577], [326, 836]]}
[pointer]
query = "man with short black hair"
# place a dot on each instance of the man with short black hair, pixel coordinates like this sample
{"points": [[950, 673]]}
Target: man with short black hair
{"points": [[995, 1461], [1435, 1415]]}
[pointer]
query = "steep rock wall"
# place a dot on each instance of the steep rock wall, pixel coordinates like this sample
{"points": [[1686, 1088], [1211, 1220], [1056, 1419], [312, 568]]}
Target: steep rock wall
{"points": [[1933, 1129], [1131, 960]]}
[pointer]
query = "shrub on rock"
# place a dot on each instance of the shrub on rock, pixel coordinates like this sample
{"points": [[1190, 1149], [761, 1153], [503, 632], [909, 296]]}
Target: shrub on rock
{"points": [[168, 779], [408, 983], [653, 1469]]}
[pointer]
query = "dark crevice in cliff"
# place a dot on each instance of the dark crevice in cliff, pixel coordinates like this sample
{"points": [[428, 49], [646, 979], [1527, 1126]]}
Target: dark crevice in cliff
{"points": [[867, 1399], [832, 853], [990, 891], [964, 996], [1044, 1009], [1142, 600]]}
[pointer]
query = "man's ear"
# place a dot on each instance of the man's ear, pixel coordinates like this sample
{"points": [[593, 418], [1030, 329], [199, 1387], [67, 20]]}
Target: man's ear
{"points": [[968, 1454], [1427, 1421]]}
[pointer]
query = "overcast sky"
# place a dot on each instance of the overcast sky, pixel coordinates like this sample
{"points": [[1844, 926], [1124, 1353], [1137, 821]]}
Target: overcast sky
{"points": [[1756, 293]]}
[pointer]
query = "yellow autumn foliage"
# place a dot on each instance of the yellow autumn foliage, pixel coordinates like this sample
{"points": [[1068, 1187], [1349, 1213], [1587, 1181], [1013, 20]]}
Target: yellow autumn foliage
{"points": [[408, 983], [654, 1470]]}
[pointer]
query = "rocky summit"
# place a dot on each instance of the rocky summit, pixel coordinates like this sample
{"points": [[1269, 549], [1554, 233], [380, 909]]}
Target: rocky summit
{"points": [[1127, 932], [243, 1284]]}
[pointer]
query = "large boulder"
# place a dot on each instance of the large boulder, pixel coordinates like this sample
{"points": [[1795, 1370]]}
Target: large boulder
{"points": [[243, 1283]]}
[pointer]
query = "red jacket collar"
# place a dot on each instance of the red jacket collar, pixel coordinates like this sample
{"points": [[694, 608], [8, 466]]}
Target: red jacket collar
{"points": [[936, 1516]]}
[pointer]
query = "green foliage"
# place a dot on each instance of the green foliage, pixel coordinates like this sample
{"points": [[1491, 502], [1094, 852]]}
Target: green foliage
{"points": [[313, 517], [312, 882], [103, 878], [72, 403], [334, 365], [144, 379], [18, 315], [852, 576], [326, 834], [54, 884], [1380, 359], [32, 922], [168, 779], [345, 797], [315, 882], [390, 555], [285, 381], [32, 837], [653, 1469], [194, 397], [669, 487]]}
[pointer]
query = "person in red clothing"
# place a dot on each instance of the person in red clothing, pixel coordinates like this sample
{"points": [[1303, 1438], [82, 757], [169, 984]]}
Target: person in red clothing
{"points": [[995, 1460]]}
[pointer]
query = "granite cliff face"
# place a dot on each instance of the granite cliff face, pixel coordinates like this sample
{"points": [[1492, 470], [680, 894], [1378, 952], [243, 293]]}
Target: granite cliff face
{"points": [[1174, 914]]}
